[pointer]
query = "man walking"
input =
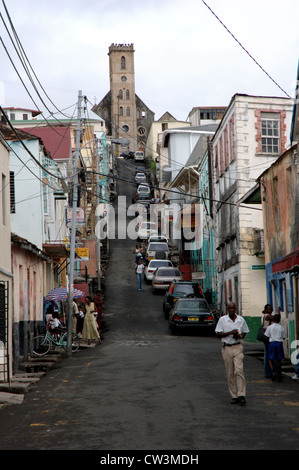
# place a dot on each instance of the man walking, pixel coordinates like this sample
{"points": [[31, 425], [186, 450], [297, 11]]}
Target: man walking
{"points": [[232, 328], [139, 271]]}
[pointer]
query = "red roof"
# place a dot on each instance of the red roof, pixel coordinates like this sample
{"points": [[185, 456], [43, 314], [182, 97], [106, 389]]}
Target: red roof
{"points": [[57, 140]]}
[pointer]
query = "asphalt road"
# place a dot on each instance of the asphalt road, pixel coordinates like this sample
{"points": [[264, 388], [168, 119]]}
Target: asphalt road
{"points": [[144, 389]]}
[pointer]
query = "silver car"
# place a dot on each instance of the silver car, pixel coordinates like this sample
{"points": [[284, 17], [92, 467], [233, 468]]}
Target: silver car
{"points": [[152, 266], [163, 277]]}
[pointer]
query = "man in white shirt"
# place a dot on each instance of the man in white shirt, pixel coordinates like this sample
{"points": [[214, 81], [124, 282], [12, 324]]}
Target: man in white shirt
{"points": [[232, 328]]}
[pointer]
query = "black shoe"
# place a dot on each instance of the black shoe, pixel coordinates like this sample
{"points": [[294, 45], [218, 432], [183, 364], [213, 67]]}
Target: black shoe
{"points": [[273, 378], [242, 401], [235, 401]]}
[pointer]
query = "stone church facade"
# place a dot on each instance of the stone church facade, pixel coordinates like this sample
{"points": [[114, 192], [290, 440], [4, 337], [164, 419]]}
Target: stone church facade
{"points": [[125, 114]]}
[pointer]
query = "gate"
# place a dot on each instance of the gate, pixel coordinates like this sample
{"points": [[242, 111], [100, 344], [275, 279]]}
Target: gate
{"points": [[4, 355]]}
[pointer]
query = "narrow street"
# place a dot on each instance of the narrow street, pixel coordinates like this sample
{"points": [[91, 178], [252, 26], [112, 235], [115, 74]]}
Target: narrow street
{"points": [[145, 389]]}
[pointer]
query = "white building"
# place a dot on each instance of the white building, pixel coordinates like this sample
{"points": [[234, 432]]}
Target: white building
{"points": [[252, 134]]}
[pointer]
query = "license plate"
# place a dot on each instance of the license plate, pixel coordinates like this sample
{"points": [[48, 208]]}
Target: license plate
{"points": [[193, 319]]}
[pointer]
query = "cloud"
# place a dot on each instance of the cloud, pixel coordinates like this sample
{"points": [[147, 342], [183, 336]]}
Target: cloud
{"points": [[184, 57]]}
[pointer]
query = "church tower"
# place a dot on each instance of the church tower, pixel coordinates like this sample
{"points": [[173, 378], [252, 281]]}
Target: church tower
{"points": [[125, 114], [122, 88]]}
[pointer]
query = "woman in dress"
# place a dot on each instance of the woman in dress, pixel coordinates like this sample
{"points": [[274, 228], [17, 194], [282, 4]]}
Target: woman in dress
{"points": [[90, 331]]}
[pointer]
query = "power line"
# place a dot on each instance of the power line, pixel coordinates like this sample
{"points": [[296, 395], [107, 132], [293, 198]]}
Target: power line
{"points": [[245, 50], [23, 58]]}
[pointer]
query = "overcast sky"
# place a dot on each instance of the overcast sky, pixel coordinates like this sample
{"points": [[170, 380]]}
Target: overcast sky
{"points": [[184, 57]]}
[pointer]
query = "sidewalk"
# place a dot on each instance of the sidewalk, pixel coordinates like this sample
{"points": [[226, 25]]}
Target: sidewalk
{"points": [[13, 392]]}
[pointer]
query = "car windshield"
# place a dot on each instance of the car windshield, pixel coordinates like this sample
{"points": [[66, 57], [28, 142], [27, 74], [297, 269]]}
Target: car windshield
{"points": [[157, 247], [168, 272], [185, 289], [158, 264], [191, 306]]}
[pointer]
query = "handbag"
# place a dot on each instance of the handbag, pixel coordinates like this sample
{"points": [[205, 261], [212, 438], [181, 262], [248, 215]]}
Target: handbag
{"points": [[261, 335]]}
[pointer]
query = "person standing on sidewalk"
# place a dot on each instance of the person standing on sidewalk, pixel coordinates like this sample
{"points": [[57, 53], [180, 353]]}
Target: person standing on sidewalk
{"points": [[276, 334], [139, 271], [232, 328], [266, 322], [90, 330]]}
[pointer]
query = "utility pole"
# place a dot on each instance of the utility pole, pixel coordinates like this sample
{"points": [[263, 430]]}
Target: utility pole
{"points": [[73, 234], [98, 143]]}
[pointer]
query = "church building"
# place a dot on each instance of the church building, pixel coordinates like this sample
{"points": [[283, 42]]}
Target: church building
{"points": [[125, 114]]}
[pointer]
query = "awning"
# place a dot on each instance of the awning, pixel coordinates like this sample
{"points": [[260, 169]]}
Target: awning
{"points": [[56, 250], [288, 263]]}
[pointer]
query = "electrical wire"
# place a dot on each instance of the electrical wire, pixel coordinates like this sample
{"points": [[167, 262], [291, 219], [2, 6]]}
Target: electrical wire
{"points": [[23, 58], [245, 50]]}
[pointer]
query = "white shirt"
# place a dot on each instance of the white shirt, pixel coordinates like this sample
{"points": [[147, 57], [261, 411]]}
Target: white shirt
{"points": [[226, 324], [54, 323], [275, 332], [139, 268]]}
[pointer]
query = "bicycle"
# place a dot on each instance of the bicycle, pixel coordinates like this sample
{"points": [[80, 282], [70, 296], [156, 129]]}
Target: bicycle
{"points": [[43, 343]]}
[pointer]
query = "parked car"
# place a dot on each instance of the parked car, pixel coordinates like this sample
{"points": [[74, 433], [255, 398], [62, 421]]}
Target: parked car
{"points": [[157, 250], [140, 178], [152, 266], [158, 238], [146, 229], [127, 155], [178, 290], [139, 155], [191, 314], [164, 276], [143, 199], [140, 169], [144, 189]]}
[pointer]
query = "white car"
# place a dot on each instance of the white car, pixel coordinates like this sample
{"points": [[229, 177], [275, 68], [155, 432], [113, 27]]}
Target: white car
{"points": [[154, 264], [158, 238], [146, 229], [163, 277], [144, 189], [139, 155], [157, 250]]}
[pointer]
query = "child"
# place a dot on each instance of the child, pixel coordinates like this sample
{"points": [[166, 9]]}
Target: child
{"points": [[276, 334], [55, 324]]}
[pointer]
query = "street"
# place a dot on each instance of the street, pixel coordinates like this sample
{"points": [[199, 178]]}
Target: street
{"points": [[145, 389]]}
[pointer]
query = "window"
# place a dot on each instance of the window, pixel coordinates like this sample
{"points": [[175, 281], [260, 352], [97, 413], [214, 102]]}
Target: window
{"points": [[128, 94], [128, 111], [121, 111], [25, 117], [120, 94], [270, 134], [12, 193], [123, 62], [12, 116]]}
